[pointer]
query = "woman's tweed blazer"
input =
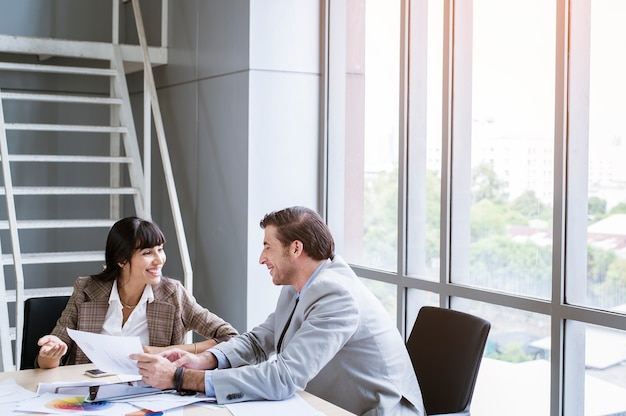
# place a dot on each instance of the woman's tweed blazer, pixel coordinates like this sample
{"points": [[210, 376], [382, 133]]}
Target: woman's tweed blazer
{"points": [[173, 313]]}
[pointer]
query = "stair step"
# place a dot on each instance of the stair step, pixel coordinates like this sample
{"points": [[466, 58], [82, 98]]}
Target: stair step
{"points": [[69, 190], [69, 158], [10, 66], [60, 98], [40, 293], [65, 127], [48, 224], [57, 257]]}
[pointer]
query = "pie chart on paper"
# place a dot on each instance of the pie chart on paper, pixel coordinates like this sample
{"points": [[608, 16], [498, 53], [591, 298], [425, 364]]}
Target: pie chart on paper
{"points": [[72, 404]]}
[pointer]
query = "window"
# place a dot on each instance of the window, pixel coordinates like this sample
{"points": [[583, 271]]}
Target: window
{"points": [[365, 84], [502, 138], [369, 86], [480, 167]]}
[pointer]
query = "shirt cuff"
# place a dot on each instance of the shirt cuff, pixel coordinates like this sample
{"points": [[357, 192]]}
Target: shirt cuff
{"points": [[222, 361], [209, 389]]}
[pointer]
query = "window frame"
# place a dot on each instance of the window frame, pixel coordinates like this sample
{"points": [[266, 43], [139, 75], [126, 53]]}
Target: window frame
{"points": [[572, 66]]}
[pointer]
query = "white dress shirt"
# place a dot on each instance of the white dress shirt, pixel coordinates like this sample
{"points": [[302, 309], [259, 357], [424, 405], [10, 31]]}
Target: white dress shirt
{"points": [[136, 325]]}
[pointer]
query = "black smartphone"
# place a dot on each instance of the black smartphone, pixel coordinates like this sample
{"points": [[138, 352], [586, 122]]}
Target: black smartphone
{"points": [[97, 373]]}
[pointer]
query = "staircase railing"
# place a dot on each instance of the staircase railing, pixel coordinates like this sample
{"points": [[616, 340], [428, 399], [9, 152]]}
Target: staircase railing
{"points": [[152, 113], [165, 159]]}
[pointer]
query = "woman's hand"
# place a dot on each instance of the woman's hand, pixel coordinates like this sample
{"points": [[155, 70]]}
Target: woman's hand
{"points": [[148, 349], [51, 350], [196, 347]]}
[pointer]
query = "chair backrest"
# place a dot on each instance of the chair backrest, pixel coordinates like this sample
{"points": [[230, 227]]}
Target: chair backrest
{"points": [[446, 348], [40, 317]]}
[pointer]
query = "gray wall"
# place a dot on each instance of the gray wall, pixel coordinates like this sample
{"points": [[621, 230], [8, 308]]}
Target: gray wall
{"points": [[87, 20], [240, 98], [240, 102]]}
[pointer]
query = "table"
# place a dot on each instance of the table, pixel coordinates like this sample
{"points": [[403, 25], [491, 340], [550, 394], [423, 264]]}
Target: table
{"points": [[29, 379]]}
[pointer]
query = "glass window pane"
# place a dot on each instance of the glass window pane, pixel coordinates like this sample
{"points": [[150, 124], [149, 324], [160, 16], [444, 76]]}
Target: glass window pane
{"points": [[370, 158], [425, 138], [503, 133], [514, 377], [415, 299], [386, 294], [597, 273], [605, 375], [595, 375]]}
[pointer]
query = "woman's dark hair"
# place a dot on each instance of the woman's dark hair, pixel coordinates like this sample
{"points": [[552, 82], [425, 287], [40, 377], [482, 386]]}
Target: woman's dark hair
{"points": [[125, 237], [303, 224]]}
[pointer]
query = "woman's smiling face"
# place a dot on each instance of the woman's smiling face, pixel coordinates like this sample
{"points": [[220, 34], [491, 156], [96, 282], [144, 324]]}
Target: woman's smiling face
{"points": [[146, 265]]}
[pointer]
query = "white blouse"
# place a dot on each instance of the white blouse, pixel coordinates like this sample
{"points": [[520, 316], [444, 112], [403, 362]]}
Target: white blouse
{"points": [[136, 325]]}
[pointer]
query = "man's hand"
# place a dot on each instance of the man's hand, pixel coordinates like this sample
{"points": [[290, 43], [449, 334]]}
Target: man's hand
{"points": [[180, 358], [155, 370]]}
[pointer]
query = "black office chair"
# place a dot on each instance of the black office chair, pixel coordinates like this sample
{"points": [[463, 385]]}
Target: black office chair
{"points": [[40, 317], [446, 349]]}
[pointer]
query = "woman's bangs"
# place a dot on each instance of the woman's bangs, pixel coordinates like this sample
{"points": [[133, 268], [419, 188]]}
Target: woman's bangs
{"points": [[149, 236]]}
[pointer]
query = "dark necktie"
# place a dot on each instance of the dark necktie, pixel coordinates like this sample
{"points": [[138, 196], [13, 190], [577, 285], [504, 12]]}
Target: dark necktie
{"points": [[282, 335]]}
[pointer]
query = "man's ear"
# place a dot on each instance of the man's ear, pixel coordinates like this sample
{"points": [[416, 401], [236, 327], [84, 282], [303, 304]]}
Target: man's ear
{"points": [[296, 248]]}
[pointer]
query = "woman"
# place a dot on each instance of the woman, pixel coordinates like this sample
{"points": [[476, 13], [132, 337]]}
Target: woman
{"points": [[132, 298]]}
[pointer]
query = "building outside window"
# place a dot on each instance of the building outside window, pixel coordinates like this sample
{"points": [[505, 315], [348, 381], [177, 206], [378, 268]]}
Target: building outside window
{"points": [[475, 161]]}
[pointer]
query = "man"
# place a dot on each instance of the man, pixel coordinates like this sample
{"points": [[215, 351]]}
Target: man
{"points": [[329, 335]]}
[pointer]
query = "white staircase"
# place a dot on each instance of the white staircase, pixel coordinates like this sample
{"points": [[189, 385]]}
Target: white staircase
{"points": [[71, 165]]}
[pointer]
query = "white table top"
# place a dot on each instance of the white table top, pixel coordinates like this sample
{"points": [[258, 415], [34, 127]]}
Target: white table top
{"points": [[30, 379]]}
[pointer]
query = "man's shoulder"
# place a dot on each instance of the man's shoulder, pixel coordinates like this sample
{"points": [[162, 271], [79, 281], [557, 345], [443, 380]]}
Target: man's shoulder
{"points": [[337, 272], [333, 284], [337, 266]]}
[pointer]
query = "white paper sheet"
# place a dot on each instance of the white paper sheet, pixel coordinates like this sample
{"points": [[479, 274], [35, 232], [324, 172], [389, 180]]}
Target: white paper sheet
{"points": [[295, 405], [167, 401], [67, 387], [11, 392], [110, 353]]}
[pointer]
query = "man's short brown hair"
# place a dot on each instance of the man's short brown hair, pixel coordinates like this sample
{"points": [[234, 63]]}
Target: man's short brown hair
{"points": [[305, 225]]}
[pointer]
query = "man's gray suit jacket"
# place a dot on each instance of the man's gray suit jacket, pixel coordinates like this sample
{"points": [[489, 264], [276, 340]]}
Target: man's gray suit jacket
{"points": [[340, 345]]}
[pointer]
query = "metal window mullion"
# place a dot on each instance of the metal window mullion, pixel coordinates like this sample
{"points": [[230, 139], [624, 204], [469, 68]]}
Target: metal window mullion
{"points": [[323, 108], [571, 166], [457, 141], [403, 121], [446, 148], [417, 139], [336, 121]]}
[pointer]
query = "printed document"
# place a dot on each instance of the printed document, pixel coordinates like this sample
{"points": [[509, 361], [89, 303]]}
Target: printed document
{"points": [[295, 405], [109, 352]]}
